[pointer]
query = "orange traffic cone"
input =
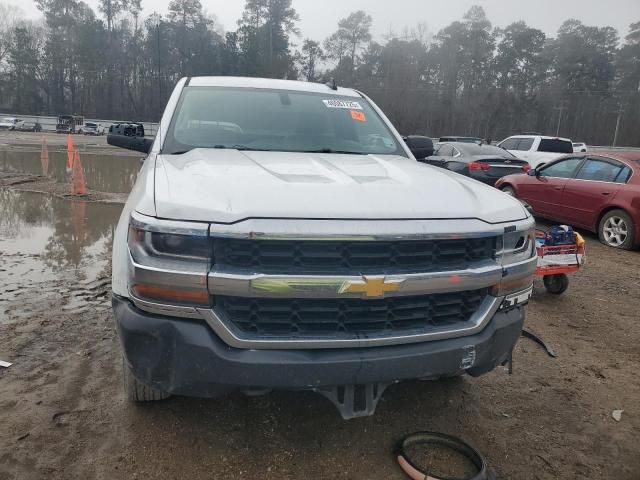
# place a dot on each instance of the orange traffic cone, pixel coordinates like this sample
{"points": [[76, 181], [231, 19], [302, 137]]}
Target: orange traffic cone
{"points": [[77, 180], [44, 157], [70, 150]]}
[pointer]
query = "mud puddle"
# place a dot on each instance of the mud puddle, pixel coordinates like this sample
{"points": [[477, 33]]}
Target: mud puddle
{"points": [[102, 172], [55, 247]]}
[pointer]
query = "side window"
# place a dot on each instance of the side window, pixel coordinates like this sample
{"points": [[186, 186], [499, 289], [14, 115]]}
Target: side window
{"points": [[602, 171], [623, 176], [510, 143], [524, 144], [562, 169], [445, 151], [555, 145]]}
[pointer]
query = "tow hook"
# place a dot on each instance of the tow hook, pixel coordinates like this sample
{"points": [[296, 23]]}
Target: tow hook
{"points": [[353, 401]]}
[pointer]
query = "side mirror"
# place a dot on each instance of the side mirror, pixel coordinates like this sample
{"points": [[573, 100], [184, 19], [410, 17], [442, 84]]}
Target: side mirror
{"points": [[533, 172], [421, 147], [129, 136]]}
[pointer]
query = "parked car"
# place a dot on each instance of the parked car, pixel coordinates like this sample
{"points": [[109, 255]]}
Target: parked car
{"points": [[482, 162], [8, 123], [69, 123], [600, 193], [307, 249], [537, 149], [130, 129], [579, 147], [91, 128], [461, 139], [28, 126]]}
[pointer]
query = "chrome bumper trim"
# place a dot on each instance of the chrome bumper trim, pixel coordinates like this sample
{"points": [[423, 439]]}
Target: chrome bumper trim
{"points": [[167, 310], [482, 275], [228, 334], [165, 276], [365, 230], [520, 270]]}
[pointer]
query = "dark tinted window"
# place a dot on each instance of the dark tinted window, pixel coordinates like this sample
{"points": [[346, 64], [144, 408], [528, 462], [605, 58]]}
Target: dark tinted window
{"points": [[603, 171], [445, 151], [555, 146], [486, 150], [510, 143], [561, 169], [524, 144], [624, 175], [461, 139]]}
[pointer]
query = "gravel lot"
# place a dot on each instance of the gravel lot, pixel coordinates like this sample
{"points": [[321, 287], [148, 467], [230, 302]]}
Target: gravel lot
{"points": [[63, 414]]}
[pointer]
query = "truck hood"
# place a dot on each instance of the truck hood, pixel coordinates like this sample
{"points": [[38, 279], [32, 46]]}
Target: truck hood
{"points": [[225, 186]]}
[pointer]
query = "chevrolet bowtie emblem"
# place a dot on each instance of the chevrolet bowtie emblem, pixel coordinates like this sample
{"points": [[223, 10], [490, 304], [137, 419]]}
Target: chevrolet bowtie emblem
{"points": [[371, 286]]}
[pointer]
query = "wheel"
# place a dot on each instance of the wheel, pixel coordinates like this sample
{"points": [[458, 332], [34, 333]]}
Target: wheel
{"points": [[556, 284], [508, 190], [617, 229], [137, 391]]}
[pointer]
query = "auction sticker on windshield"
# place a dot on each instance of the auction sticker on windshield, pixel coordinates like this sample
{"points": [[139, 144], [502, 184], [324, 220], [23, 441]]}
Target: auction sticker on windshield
{"points": [[359, 116], [342, 104]]}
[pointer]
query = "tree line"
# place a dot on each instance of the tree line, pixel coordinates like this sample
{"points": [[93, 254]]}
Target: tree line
{"points": [[469, 78]]}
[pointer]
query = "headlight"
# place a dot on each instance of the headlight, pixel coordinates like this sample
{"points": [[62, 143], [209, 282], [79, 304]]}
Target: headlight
{"points": [[170, 261], [517, 253]]}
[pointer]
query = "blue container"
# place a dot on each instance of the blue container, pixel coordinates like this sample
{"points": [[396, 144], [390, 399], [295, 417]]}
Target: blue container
{"points": [[560, 235]]}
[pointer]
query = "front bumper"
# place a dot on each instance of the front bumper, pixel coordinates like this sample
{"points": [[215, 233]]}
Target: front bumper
{"points": [[185, 357]]}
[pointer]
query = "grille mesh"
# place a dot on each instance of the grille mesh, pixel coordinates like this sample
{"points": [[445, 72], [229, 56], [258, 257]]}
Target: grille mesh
{"points": [[360, 257], [340, 317]]}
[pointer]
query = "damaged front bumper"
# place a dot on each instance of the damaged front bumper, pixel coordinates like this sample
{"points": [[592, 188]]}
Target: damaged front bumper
{"points": [[185, 357]]}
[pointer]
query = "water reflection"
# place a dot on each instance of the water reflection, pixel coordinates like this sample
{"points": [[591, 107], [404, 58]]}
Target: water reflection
{"points": [[44, 238], [104, 173]]}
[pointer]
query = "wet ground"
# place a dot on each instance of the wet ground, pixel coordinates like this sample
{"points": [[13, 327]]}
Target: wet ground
{"points": [[63, 414]]}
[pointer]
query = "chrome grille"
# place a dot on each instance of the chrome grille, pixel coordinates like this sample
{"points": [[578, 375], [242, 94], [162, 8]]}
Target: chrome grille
{"points": [[353, 257], [348, 317]]}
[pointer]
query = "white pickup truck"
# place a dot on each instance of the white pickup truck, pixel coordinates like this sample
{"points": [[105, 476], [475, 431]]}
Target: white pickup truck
{"points": [[537, 149], [281, 234]]}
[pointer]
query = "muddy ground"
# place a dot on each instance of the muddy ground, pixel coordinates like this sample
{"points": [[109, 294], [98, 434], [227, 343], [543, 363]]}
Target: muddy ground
{"points": [[63, 414]]}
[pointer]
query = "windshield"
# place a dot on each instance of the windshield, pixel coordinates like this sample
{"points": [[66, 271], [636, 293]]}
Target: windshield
{"points": [[278, 120]]}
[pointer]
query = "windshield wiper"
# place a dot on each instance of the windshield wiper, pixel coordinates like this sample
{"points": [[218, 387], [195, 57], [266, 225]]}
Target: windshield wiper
{"points": [[233, 147], [331, 150], [243, 147]]}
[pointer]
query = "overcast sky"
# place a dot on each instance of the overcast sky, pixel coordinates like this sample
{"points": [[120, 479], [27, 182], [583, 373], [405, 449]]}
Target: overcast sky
{"points": [[318, 18]]}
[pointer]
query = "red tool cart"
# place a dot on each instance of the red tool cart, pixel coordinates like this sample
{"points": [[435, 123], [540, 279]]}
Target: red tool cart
{"points": [[556, 261]]}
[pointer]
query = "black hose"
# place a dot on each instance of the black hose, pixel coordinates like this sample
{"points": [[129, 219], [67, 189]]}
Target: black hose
{"points": [[441, 440]]}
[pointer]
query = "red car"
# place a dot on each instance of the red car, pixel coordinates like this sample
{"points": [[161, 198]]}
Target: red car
{"points": [[596, 191]]}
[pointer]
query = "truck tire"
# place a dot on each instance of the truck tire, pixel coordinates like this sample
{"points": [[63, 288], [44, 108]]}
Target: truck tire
{"points": [[556, 284], [137, 391], [616, 229], [508, 189]]}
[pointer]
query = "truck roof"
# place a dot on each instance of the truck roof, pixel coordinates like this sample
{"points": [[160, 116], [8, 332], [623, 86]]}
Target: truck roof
{"points": [[255, 82], [542, 137]]}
